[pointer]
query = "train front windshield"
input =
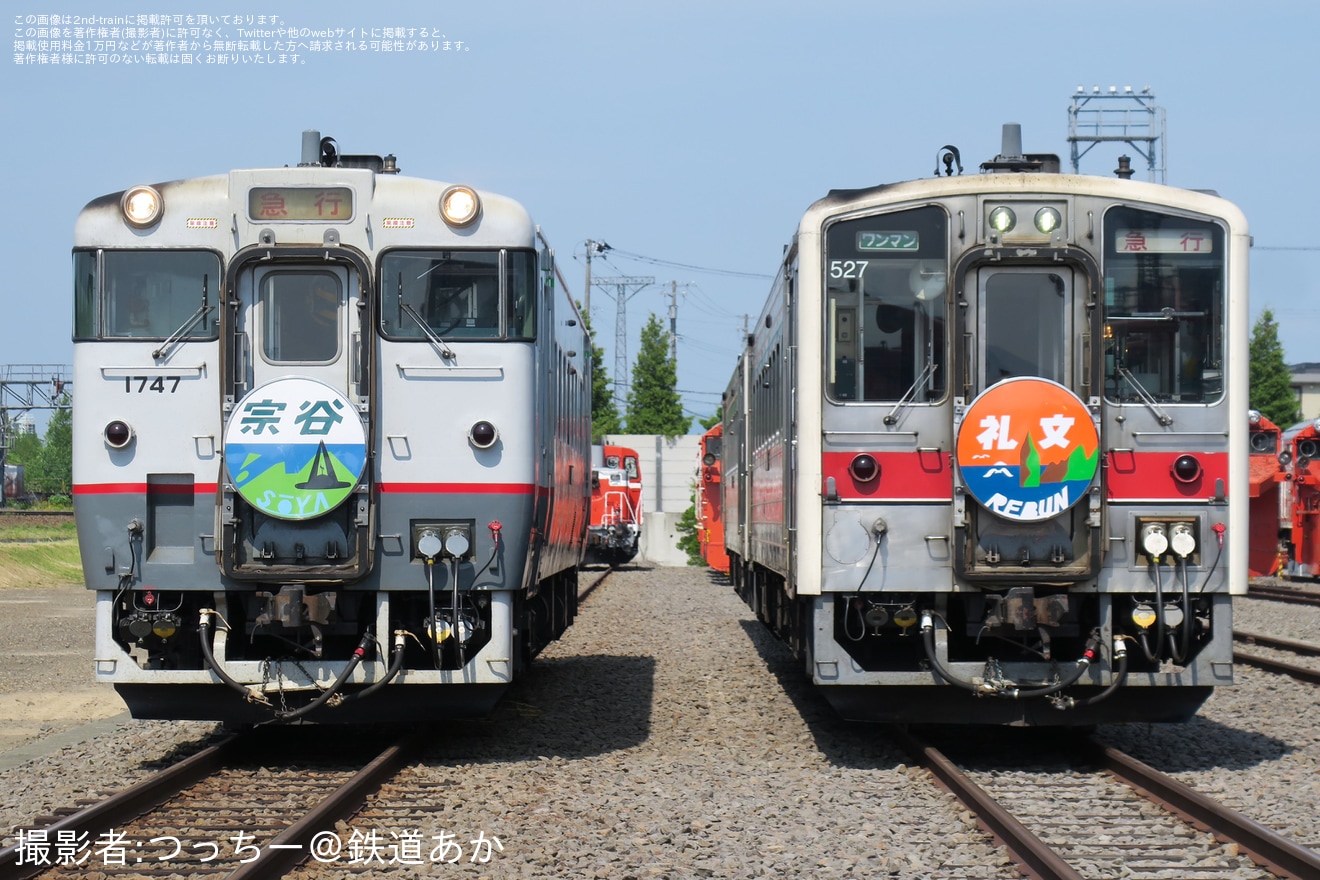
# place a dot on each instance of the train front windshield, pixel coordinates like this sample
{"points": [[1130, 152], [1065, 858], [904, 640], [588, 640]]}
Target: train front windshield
{"points": [[1164, 308], [145, 294], [459, 294], [886, 281]]}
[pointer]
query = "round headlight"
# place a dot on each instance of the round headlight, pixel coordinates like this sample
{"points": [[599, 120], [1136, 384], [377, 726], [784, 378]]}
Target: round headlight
{"points": [[141, 206], [1002, 219], [118, 434], [1186, 469], [483, 435], [864, 468], [459, 205], [1253, 416], [708, 459], [1048, 220]]}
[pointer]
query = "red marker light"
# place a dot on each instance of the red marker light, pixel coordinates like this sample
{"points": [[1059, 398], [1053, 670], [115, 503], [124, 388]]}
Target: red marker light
{"points": [[864, 468]]}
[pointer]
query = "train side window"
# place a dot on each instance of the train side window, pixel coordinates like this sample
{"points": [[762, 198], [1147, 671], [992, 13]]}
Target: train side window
{"points": [[152, 294], [886, 307], [1164, 279], [521, 284], [84, 295]]}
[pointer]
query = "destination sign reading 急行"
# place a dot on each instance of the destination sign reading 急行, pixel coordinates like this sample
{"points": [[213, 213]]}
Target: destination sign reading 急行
{"points": [[300, 203]]}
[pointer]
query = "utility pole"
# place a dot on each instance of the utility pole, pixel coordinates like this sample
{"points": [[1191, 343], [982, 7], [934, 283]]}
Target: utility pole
{"points": [[593, 247], [621, 283], [673, 321]]}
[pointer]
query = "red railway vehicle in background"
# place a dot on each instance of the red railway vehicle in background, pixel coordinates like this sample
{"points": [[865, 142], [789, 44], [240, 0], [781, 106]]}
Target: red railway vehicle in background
{"points": [[1300, 455], [710, 507], [616, 505], [1269, 497]]}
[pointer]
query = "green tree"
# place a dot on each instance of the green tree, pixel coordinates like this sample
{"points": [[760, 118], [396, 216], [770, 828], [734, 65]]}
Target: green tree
{"points": [[604, 414], [1271, 381], [24, 449], [688, 541], [711, 420], [52, 472], [654, 406]]}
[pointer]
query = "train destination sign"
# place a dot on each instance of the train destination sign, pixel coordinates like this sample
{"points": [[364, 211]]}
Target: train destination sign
{"points": [[1027, 449], [309, 203], [295, 448], [1164, 241], [889, 241]]}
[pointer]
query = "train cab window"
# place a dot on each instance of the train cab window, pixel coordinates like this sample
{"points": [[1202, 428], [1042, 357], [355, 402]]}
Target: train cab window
{"points": [[146, 294], [1164, 279], [300, 317], [885, 281], [458, 294], [630, 468]]}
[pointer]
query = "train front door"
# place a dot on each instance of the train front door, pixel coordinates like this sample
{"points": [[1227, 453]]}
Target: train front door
{"points": [[299, 320], [296, 432], [1027, 442]]}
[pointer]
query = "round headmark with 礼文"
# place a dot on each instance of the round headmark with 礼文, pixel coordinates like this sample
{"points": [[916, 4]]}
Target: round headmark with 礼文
{"points": [[1027, 449], [295, 448]]}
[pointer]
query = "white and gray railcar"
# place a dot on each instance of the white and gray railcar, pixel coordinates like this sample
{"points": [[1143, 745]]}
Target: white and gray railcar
{"points": [[331, 456], [986, 454]]}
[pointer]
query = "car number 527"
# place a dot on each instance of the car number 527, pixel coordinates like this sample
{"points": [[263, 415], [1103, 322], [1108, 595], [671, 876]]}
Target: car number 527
{"points": [[847, 268]]}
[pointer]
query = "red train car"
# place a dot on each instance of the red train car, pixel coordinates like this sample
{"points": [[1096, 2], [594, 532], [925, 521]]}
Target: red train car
{"points": [[1268, 491], [1301, 447], [616, 505], [710, 508]]}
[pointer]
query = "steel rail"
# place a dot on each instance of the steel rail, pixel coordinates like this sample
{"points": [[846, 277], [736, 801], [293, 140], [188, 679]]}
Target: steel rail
{"points": [[1284, 594], [291, 846], [124, 806], [1301, 673], [1033, 855], [591, 588], [1265, 847], [1265, 641]]}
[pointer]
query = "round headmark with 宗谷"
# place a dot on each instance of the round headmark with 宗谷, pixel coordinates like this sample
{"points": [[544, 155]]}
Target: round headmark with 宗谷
{"points": [[1027, 449], [295, 448]]}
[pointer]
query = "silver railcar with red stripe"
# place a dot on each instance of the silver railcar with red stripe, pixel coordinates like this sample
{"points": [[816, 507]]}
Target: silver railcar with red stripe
{"points": [[986, 452], [333, 459]]}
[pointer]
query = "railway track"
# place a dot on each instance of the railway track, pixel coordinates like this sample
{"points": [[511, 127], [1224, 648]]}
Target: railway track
{"points": [[1112, 816], [1274, 662], [250, 806]]}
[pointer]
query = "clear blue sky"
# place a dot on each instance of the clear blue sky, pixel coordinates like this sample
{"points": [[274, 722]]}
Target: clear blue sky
{"points": [[688, 132]]}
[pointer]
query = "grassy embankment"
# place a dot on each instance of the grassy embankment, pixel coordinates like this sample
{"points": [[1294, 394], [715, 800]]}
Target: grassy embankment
{"points": [[37, 551]]}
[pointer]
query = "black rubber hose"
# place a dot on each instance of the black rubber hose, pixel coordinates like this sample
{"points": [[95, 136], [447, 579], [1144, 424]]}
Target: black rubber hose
{"points": [[396, 664], [928, 640], [204, 629], [338, 683], [1120, 676]]}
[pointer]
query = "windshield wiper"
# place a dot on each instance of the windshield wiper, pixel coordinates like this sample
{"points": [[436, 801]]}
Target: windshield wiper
{"points": [[407, 309], [1146, 397], [177, 336], [927, 372]]}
